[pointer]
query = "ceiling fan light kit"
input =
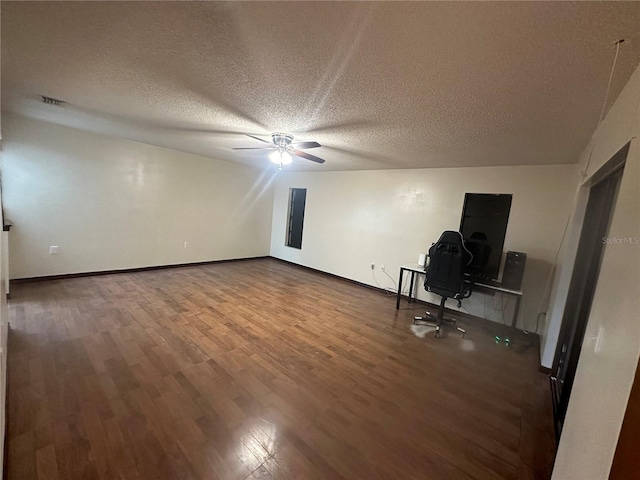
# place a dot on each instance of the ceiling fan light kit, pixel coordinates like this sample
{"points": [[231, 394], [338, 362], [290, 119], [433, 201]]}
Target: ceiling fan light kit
{"points": [[280, 157], [282, 154]]}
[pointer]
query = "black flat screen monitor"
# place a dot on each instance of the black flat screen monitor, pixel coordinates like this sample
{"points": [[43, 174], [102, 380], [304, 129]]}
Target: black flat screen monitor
{"points": [[484, 226]]}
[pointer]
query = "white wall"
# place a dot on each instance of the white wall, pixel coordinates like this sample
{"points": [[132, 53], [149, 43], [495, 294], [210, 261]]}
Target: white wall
{"points": [[353, 219], [109, 203], [605, 375]]}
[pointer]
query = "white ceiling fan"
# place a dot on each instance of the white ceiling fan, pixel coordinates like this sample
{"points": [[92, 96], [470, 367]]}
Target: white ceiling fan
{"points": [[283, 148]]}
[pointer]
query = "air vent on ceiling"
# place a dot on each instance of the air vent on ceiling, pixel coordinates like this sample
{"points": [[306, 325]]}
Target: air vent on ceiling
{"points": [[52, 101]]}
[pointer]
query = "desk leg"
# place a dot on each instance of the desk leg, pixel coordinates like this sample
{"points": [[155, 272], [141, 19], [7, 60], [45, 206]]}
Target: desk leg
{"points": [[516, 310], [399, 288], [411, 285]]}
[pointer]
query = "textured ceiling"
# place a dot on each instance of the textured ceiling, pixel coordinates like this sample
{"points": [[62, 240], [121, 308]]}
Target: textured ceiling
{"points": [[379, 85]]}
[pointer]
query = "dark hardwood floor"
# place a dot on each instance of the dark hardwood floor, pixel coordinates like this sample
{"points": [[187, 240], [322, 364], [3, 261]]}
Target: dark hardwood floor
{"points": [[262, 370]]}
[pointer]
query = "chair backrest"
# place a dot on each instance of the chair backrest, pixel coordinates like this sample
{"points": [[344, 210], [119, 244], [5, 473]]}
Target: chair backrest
{"points": [[448, 259]]}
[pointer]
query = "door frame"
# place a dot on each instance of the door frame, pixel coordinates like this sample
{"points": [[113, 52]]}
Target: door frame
{"points": [[603, 189]]}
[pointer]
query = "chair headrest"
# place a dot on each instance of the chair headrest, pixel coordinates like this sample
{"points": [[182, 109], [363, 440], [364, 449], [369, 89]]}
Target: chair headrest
{"points": [[449, 236], [456, 238]]}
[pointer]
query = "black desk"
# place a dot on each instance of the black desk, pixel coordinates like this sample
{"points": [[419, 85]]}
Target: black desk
{"points": [[417, 270]]}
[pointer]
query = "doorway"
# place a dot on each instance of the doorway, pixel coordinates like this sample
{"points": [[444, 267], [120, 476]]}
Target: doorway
{"points": [[297, 200], [584, 279]]}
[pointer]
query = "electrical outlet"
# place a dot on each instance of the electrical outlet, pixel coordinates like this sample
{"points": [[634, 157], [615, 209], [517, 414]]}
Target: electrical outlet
{"points": [[373, 266], [186, 244], [53, 250], [382, 267]]}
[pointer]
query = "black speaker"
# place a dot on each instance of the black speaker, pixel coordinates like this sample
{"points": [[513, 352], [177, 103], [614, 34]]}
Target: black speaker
{"points": [[513, 270]]}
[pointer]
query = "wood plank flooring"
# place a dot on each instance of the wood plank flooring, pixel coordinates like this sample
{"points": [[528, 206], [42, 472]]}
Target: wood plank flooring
{"points": [[262, 370]]}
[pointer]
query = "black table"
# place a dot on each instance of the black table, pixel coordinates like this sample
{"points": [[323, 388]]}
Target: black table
{"points": [[417, 270]]}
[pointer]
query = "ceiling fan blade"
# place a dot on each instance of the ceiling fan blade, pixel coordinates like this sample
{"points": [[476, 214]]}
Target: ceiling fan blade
{"points": [[306, 144], [258, 138], [308, 156]]}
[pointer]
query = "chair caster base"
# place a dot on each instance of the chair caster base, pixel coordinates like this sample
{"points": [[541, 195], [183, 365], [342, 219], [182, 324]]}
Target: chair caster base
{"points": [[428, 323], [425, 322], [451, 321]]}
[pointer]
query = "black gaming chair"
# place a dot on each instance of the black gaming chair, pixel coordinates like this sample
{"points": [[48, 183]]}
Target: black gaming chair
{"points": [[448, 258]]}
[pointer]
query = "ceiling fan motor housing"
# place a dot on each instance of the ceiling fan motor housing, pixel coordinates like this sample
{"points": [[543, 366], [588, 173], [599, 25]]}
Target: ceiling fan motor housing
{"points": [[281, 140]]}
